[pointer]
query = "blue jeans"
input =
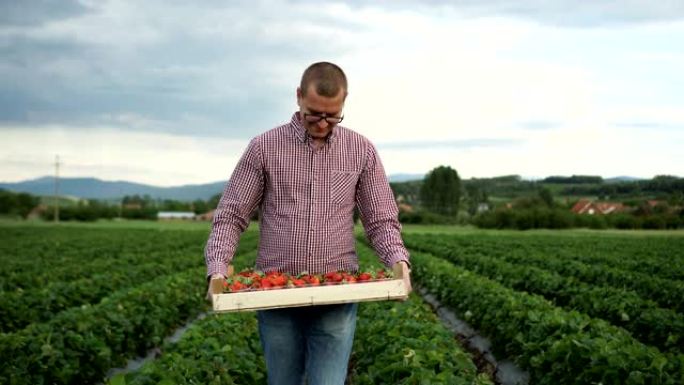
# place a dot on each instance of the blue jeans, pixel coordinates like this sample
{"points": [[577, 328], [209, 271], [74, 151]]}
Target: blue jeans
{"points": [[307, 345]]}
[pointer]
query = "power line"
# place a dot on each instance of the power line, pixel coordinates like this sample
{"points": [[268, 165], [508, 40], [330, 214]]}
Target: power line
{"points": [[56, 198]]}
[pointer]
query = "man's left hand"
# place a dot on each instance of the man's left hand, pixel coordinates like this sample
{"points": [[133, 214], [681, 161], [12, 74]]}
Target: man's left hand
{"points": [[405, 273]]}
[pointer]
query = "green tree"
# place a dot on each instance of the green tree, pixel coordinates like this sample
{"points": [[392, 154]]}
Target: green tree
{"points": [[441, 191], [214, 201], [546, 196], [19, 204]]}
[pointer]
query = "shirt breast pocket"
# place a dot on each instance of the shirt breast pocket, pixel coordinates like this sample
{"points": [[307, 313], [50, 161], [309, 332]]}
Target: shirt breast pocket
{"points": [[343, 186]]}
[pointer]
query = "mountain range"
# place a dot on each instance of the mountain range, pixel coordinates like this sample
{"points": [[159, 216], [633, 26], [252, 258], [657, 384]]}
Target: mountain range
{"points": [[93, 188]]}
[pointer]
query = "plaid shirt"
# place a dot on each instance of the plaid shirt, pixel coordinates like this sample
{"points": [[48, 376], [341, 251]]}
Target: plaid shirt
{"points": [[307, 198]]}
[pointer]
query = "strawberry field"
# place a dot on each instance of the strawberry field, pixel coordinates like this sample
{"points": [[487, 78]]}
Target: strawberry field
{"points": [[77, 304]]}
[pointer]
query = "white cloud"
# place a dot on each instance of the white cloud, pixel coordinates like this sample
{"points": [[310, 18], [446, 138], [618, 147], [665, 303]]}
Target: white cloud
{"points": [[517, 96], [112, 154]]}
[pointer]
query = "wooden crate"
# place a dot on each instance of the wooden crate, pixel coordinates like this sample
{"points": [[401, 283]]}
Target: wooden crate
{"points": [[388, 289]]}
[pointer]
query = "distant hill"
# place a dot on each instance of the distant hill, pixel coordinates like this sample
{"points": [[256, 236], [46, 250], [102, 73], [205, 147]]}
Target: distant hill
{"points": [[618, 179], [93, 188], [394, 178]]}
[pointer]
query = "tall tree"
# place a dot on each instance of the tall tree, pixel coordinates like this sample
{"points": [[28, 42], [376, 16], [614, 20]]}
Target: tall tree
{"points": [[546, 196], [441, 191]]}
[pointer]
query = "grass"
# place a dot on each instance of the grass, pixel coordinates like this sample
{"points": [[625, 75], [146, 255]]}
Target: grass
{"points": [[462, 230], [408, 228], [131, 224]]}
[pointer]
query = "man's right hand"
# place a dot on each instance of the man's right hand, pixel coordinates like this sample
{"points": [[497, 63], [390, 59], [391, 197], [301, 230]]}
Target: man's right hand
{"points": [[213, 277]]}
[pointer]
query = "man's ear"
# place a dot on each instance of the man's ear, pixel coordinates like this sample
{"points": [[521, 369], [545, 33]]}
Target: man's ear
{"points": [[299, 96]]}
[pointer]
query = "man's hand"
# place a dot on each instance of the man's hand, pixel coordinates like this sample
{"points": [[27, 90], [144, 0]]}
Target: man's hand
{"points": [[403, 267], [213, 277]]}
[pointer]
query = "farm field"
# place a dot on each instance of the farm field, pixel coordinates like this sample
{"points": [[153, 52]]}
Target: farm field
{"points": [[574, 307]]}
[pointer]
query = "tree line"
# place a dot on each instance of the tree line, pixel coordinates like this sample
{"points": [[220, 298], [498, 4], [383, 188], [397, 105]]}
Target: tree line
{"points": [[443, 198], [20, 205]]}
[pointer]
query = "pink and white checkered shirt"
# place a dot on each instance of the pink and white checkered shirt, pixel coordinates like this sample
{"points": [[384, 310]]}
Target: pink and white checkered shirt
{"points": [[307, 198]]}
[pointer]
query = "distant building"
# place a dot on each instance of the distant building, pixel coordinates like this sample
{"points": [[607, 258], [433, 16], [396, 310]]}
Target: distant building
{"points": [[482, 207], [167, 215], [585, 206], [405, 208], [208, 216], [37, 212]]}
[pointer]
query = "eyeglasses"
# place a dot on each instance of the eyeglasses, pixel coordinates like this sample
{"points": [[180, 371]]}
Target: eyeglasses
{"points": [[315, 118]]}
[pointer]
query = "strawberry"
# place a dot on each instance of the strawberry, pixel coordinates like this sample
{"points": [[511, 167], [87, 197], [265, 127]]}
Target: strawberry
{"points": [[298, 282], [333, 277], [364, 277], [279, 280], [237, 286], [349, 278], [312, 280]]}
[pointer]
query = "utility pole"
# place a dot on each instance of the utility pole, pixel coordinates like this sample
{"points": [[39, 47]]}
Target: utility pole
{"points": [[56, 198]]}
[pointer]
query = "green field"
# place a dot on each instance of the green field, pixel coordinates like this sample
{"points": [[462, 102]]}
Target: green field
{"points": [[569, 307]]}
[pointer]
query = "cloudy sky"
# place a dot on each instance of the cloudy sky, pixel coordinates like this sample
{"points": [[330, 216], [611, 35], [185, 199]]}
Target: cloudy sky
{"points": [[167, 93]]}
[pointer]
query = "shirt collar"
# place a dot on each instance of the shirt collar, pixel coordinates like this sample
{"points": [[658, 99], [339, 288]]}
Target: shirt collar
{"points": [[300, 131]]}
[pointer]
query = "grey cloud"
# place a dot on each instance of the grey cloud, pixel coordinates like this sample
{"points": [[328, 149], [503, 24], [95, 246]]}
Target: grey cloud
{"points": [[34, 12], [566, 13], [206, 69], [223, 80]]}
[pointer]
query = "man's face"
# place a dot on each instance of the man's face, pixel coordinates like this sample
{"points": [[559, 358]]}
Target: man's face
{"points": [[315, 104]]}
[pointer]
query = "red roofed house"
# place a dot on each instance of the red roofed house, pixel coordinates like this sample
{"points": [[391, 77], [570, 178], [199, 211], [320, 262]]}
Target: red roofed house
{"points": [[585, 206]]}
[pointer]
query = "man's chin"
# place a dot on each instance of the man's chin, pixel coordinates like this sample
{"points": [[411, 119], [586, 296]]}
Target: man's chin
{"points": [[318, 135]]}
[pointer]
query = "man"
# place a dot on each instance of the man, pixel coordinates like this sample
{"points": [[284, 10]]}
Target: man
{"points": [[307, 176]]}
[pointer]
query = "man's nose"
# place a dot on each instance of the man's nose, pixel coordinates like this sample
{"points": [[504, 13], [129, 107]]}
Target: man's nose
{"points": [[323, 123]]}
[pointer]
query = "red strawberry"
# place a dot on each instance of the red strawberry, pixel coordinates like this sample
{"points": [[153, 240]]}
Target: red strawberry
{"points": [[237, 286], [365, 277], [279, 280], [349, 278], [312, 280]]}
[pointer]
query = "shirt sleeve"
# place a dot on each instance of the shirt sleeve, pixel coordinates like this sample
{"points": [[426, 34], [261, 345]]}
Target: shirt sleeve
{"points": [[379, 212], [242, 194]]}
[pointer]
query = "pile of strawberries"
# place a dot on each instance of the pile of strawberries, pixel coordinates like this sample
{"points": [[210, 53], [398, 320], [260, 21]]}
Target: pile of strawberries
{"points": [[256, 280]]}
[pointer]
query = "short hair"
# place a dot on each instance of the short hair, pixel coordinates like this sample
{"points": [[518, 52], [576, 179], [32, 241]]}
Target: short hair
{"points": [[328, 78]]}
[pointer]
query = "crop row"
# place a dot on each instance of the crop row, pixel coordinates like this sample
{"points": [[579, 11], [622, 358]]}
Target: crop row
{"points": [[667, 293], [555, 345], [219, 349], [26, 246], [79, 345], [413, 348], [656, 256], [68, 258], [19, 308], [650, 324], [405, 343]]}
